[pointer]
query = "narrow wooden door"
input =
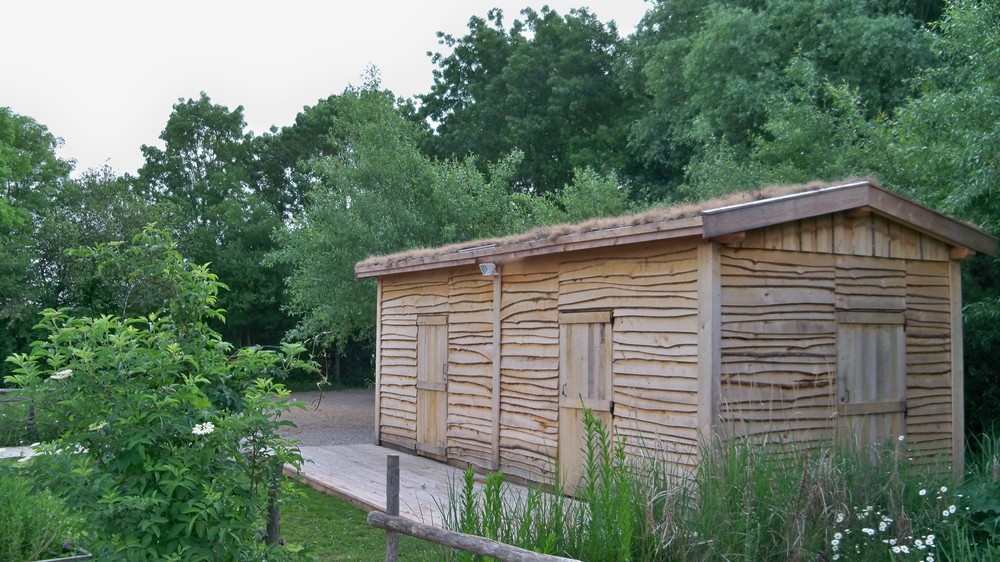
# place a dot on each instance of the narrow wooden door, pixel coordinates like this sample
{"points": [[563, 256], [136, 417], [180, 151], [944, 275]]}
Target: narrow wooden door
{"points": [[432, 385], [871, 370], [585, 363]]}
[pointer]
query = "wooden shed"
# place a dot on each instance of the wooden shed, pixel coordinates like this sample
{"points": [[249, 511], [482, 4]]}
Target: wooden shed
{"points": [[804, 314]]}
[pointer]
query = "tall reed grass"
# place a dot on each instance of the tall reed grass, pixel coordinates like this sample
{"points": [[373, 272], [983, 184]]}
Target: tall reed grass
{"points": [[747, 501]]}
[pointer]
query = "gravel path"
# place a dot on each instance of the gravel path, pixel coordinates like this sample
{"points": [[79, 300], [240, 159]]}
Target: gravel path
{"points": [[343, 417]]}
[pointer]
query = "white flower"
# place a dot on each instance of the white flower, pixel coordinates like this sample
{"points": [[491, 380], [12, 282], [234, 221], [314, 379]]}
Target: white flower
{"points": [[840, 517], [203, 428], [930, 540], [834, 543], [97, 426], [868, 531], [904, 549], [900, 438], [944, 489], [64, 374], [838, 536], [951, 509], [945, 513], [923, 492], [895, 549]]}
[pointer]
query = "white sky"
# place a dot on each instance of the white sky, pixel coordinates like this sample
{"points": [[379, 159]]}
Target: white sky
{"points": [[104, 74]]}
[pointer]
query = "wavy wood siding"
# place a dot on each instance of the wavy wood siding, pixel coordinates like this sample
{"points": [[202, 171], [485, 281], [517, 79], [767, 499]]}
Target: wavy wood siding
{"points": [[470, 371], [529, 369], [779, 357], [404, 297], [781, 291], [928, 360], [652, 292]]}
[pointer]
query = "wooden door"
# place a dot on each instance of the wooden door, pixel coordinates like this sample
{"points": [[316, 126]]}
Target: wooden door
{"points": [[432, 385], [871, 384], [585, 363]]}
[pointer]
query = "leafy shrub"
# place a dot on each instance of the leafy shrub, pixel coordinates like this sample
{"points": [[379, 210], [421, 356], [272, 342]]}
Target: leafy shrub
{"points": [[33, 525], [170, 444]]}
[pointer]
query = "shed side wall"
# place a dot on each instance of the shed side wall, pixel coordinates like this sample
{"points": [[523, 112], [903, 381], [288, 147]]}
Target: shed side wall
{"points": [[404, 298]]}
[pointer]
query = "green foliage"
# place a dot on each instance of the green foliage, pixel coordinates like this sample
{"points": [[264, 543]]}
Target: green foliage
{"points": [[603, 523], [33, 524], [377, 194], [943, 148], [205, 181], [547, 86], [30, 177], [747, 501], [169, 443], [711, 70], [815, 130]]}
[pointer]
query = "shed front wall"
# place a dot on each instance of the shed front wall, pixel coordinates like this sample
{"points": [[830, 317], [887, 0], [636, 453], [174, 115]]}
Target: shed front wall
{"points": [[650, 291], [782, 290]]}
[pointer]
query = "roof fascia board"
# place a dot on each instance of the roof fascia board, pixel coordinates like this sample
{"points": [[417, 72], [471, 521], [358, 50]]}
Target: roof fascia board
{"points": [[807, 204]]}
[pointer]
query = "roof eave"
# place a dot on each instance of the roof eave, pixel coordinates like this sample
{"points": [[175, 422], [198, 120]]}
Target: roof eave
{"points": [[631, 234], [768, 212]]}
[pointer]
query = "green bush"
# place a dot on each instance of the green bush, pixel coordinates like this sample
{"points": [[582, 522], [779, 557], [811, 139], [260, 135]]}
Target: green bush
{"points": [[169, 445], [33, 525]]}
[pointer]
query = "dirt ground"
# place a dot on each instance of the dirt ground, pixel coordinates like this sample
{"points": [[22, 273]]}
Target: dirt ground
{"points": [[343, 417]]}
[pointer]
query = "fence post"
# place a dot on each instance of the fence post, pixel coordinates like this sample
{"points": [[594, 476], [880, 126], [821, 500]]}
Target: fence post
{"points": [[32, 430], [392, 506]]}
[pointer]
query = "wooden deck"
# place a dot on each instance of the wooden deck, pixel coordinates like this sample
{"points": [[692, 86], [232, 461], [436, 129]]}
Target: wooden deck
{"points": [[357, 474]]}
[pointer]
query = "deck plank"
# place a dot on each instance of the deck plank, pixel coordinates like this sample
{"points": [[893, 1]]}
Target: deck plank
{"points": [[357, 474]]}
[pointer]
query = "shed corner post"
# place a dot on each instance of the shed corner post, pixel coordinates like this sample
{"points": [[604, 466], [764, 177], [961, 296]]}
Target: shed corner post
{"points": [[957, 371], [709, 339], [378, 360], [495, 394]]}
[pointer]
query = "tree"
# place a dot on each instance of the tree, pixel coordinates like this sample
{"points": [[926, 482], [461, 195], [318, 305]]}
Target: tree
{"points": [[816, 130], [169, 444], [203, 179], [547, 87], [31, 175], [943, 148], [378, 194], [709, 71]]}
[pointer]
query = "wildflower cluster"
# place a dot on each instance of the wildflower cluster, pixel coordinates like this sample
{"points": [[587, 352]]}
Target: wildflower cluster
{"points": [[865, 532], [203, 428]]}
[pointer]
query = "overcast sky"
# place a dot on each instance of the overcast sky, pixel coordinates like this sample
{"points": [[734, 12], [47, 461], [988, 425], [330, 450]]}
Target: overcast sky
{"points": [[104, 74]]}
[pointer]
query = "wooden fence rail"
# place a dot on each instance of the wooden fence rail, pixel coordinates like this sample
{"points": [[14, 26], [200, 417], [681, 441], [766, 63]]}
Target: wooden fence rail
{"points": [[395, 525]]}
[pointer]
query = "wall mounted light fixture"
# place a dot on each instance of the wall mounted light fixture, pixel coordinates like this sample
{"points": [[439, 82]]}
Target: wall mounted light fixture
{"points": [[489, 268]]}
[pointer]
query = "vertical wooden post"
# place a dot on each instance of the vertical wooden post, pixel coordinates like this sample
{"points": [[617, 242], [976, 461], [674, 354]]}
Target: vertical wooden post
{"points": [[273, 516], [497, 356], [957, 372], [392, 506], [32, 430], [709, 339], [378, 359]]}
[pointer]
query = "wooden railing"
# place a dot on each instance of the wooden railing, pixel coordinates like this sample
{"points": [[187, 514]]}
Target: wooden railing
{"points": [[395, 525]]}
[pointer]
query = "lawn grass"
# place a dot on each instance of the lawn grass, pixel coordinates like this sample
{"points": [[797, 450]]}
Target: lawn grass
{"points": [[326, 528]]}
